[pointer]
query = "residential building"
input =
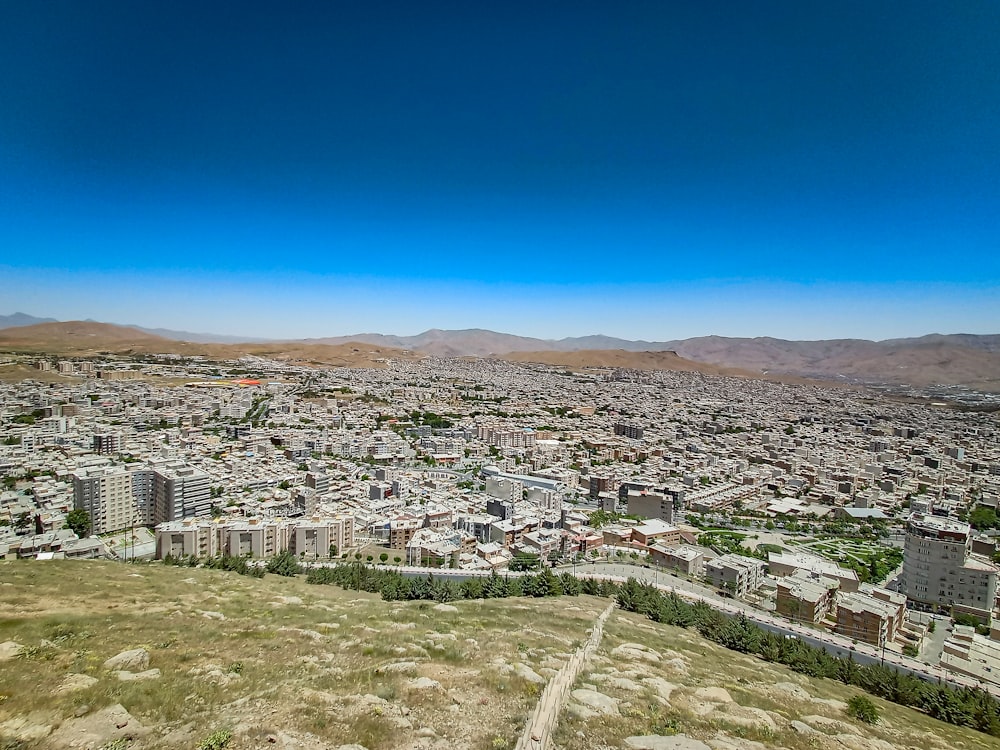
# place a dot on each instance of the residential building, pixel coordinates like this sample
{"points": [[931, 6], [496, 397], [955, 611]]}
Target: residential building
{"points": [[940, 572], [650, 505], [105, 493], [737, 574], [806, 597], [683, 558]]}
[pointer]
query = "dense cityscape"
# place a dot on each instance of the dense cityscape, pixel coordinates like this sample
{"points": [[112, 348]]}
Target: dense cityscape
{"points": [[842, 510]]}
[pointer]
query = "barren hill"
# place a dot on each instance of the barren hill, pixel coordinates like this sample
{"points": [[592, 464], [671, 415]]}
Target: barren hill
{"points": [[106, 655], [619, 358], [80, 338], [946, 360]]}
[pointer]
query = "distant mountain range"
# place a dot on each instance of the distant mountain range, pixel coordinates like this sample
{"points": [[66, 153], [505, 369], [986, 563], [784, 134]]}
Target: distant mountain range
{"points": [[18, 320], [946, 359]]}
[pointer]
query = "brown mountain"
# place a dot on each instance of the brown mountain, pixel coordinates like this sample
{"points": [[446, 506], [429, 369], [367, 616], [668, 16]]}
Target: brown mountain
{"points": [[84, 338], [619, 358], [930, 360]]}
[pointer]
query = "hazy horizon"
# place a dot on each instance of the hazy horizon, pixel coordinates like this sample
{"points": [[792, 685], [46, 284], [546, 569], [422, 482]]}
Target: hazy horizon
{"points": [[411, 334], [651, 172]]}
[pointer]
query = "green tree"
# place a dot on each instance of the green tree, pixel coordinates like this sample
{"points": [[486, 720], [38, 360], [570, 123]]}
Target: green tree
{"points": [[862, 709], [78, 521], [23, 521], [284, 564]]}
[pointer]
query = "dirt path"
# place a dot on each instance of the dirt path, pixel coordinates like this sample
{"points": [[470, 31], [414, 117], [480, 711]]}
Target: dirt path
{"points": [[545, 717]]}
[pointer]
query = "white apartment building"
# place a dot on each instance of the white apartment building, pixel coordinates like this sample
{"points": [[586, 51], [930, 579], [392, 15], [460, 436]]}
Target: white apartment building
{"points": [[939, 570], [255, 537]]}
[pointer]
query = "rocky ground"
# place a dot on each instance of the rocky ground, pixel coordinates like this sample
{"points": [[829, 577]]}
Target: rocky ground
{"points": [[105, 656]]}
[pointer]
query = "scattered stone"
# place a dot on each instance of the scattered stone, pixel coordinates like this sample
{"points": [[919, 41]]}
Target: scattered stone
{"points": [[183, 736], [527, 673], [135, 660], [663, 688], [714, 695], [744, 716], [435, 636], [97, 729], [426, 732], [290, 600], [581, 712], [350, 747], [855, 742], [148, 674], [637, 652], [212, 615], [827, 724], [795, 691], [10, 649], [29, 727], [74, 682], [656, 742], [189, 580], [600, 702], [624, 683], [399, 666], [833, 703], [424, 683], [300, 631], [802, 728], [723, 741], [445, 608], [82, 710], [677, 665]]}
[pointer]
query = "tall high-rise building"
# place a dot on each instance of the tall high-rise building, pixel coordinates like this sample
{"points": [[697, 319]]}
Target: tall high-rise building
{"points": [[180, 491], [939, 570], [106, 494]]}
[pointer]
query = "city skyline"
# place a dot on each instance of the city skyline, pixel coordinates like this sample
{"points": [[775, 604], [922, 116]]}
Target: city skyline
{"points": [[648, 173]]}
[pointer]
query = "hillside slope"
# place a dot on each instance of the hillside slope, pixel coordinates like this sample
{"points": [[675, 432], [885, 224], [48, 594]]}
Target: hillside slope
{"points": [[281, 664], [83, 339]]}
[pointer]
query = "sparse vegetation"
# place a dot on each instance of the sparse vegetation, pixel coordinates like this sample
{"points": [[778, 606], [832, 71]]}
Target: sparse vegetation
{"points": [[862, 709]]}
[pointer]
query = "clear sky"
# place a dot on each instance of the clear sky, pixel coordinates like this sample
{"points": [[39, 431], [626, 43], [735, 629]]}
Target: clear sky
{"points": [[650, 170]]}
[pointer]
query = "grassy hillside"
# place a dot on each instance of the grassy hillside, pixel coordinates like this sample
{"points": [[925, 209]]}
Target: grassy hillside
{"points": [[248, 663]]}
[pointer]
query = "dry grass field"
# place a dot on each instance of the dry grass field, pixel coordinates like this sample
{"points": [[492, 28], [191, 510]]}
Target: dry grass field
{"points": [[240, 663]]}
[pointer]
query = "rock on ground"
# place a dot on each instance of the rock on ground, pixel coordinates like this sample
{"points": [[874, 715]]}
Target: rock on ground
{"points": [[424, 683], [73, 682], [656, 742], [148, 674], [445, 608], [527, 673], [97, 729], [714, 695], [802, 728], [599, 702], [399, 666], [135, 660], [723, 741], [637, 652], [10, 649], [662, 687]]}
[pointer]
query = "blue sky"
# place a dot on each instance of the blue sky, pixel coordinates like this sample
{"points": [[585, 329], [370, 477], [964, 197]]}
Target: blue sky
{"points": [[658, 170]]}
